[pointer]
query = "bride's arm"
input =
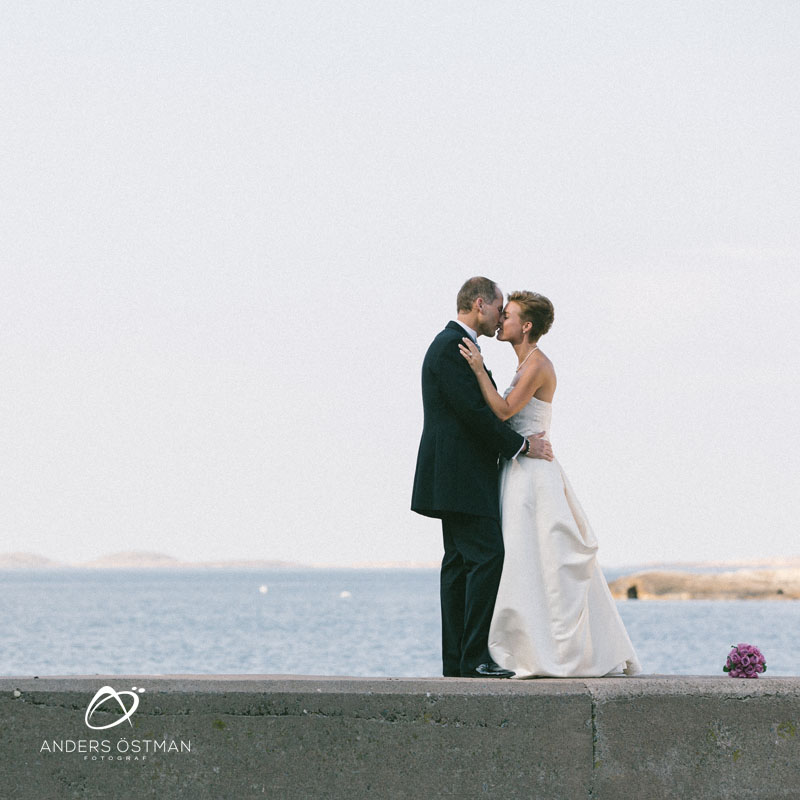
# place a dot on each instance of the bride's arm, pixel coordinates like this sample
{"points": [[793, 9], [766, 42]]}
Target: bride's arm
{"points": [[503, 408]]}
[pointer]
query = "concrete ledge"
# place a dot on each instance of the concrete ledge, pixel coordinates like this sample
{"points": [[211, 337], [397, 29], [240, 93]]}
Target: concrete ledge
{"points": [[304, 737]]}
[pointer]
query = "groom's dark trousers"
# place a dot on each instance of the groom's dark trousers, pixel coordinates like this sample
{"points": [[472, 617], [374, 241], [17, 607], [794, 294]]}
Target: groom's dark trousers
{"points": [[456, 481]]}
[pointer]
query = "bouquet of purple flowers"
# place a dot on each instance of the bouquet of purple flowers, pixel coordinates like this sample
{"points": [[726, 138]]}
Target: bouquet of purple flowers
{"points": [[745, 661]]}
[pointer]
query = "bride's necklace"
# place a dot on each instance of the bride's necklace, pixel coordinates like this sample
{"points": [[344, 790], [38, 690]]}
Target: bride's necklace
{"points": [[522, 363]]}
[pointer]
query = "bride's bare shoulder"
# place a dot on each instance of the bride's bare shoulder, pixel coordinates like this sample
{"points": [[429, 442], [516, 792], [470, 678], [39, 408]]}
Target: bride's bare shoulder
{"points": [[538, 373], [544, 364], [545, 380]]}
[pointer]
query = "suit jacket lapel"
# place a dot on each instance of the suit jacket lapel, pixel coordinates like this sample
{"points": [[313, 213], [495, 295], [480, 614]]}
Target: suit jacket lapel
{"points": [[454, 326]]}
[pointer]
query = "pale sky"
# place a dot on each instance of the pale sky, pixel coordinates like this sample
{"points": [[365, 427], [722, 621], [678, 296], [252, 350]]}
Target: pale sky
{"points": [[229, 231]]}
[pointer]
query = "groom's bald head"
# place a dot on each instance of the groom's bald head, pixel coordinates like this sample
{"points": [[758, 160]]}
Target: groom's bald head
{"points": [[480, 302], [473, 289]]}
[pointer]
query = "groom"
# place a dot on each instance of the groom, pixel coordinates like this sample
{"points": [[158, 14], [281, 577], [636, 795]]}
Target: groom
{"points": [[456, 481]]}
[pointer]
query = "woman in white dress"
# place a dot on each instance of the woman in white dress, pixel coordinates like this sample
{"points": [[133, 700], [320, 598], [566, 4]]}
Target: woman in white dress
{"points": [[554, 615]]}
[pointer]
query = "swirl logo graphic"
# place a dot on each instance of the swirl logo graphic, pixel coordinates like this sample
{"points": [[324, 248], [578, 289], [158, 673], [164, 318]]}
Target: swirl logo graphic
{"points": [[105, 693]]}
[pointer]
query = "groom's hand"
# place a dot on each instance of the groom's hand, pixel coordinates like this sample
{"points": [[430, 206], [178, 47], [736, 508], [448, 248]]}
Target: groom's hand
{"points": [[540, 447]]}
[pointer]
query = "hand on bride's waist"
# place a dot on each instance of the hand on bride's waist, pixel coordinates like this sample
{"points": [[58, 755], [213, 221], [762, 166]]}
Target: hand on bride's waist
{"points": [[539, 447]]}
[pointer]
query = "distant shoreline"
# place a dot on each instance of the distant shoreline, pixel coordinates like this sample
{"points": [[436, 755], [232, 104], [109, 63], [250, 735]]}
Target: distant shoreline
{"points": [[158, 561], [135, 560]]}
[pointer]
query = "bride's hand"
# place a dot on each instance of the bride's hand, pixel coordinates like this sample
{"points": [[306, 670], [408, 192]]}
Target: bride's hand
{"points": [[472, 355]]}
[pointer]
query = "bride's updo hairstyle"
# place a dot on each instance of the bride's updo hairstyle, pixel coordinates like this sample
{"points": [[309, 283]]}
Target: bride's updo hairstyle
{"points": [[536, 309]]}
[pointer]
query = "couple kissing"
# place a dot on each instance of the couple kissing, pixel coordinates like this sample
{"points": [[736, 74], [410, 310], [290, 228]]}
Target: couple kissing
{"points": [[522, 594]]}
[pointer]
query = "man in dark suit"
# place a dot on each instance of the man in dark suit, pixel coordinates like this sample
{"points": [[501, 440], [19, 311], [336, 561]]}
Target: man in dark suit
{"points": [[456, 481]]}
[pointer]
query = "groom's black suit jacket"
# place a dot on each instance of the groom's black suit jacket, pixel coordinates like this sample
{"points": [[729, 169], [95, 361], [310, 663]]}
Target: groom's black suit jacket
{"points": [[461, 437]]}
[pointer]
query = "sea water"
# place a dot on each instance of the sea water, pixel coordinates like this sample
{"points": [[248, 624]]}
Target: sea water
{"points": [[354, 622]]}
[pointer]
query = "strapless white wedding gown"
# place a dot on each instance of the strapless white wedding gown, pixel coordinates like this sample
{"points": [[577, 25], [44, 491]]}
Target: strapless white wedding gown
{"points": [[554, 615]]}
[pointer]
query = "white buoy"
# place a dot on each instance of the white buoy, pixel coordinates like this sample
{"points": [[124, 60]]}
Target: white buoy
{"points": [[263, 589], [345, 594]]}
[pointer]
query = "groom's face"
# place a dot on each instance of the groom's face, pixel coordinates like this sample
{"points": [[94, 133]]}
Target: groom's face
{"points": [[489, 317]]}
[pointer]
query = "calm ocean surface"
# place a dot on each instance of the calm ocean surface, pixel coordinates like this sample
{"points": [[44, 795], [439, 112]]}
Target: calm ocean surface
{"points": [[162, 622]]}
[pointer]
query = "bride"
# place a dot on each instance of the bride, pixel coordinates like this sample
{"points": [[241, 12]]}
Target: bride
{"points": [[554, 615]]}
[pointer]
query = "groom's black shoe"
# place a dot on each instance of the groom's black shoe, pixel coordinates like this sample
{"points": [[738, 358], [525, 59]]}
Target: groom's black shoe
{"points": [[490, 670]]}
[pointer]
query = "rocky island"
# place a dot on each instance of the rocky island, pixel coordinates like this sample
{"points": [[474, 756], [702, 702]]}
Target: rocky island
{"points": [[744, 584]]}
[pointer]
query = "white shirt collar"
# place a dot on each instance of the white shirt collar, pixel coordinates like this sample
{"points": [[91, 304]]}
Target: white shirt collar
{"points": [[472, 334]]}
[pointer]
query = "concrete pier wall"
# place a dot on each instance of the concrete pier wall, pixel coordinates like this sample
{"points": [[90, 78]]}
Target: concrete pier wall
{"points": [[302, 737]]}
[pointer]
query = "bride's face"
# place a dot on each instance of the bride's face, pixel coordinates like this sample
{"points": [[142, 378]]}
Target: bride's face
{"points": [[510, 324]]}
